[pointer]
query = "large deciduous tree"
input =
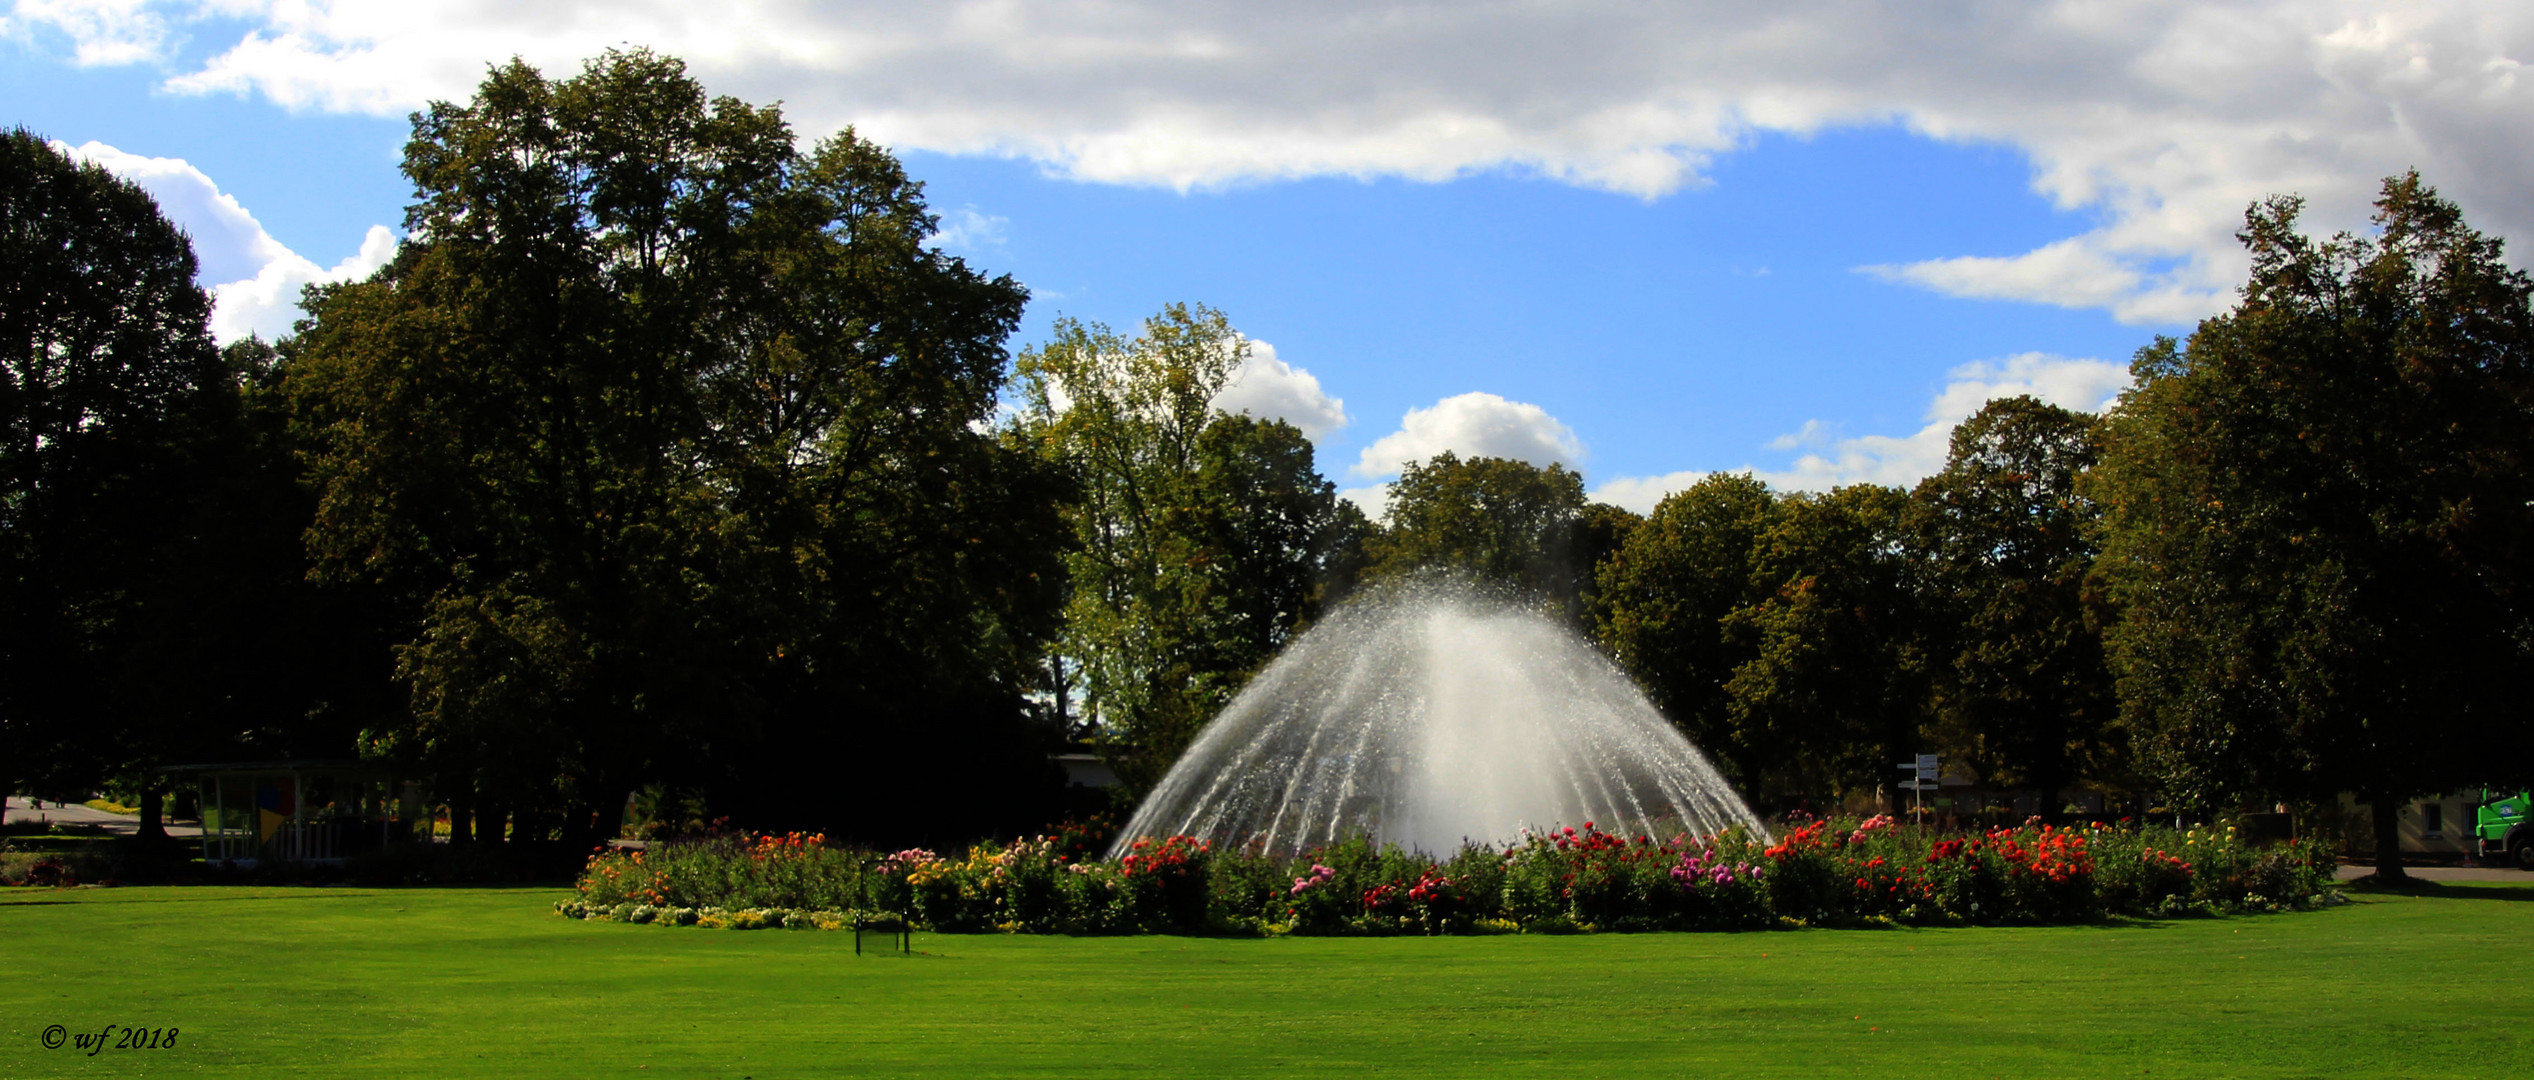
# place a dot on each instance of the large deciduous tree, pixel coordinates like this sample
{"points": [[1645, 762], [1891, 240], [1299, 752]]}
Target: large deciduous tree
{"points": [[1201, 540], [2318, 515], [1835, 684], [108, 382], [672, 434], [2018, 681], [154, 607], [1666, 593], [1501, 521]]}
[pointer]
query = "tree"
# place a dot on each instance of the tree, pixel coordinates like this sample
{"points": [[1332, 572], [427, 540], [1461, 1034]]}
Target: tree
{"points": [[2316, 519], [669, 434], [911, 554], [108, 378], [1287, 544], [240, 655], [1835, 683], [1665, 594], [2020, 687], [1501, 520], [1202, 540]]}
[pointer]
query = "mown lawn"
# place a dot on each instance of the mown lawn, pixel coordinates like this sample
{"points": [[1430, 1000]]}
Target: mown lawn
{"points": [[487, 982]]}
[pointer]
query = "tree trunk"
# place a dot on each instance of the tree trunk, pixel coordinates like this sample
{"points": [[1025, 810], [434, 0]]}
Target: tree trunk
{"points": [[2388, 817], [2054, 792], [461, 821], [153, 806], [590, 821]]}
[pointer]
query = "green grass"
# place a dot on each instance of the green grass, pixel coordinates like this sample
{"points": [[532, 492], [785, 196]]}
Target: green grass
{"points": [[450, 982]]}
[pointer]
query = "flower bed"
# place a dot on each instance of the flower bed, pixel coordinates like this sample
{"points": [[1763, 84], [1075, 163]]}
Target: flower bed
{"points": [[1835, 873]]}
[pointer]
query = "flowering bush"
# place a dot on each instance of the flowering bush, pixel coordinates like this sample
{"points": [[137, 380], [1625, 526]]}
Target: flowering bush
{"points": [[1316, 904], [1092, 900], [1570, 879], [1808, 878], [1165, 883]]}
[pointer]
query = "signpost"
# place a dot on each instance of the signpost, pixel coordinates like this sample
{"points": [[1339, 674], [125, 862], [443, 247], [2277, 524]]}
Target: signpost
{"points": [[1922, 780]]}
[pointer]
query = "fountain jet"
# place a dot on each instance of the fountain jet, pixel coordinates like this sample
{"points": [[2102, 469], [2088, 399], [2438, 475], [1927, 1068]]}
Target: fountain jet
{"points": [[1430, 715]]}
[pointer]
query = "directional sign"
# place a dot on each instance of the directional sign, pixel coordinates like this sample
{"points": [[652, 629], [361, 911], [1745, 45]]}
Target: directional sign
{"points": [[1926, 766], [1917, 785]]}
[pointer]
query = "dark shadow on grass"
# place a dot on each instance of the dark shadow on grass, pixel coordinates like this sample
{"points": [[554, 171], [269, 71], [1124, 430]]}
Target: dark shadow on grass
{"points": [[2134, 922], [2444, 890], [489, 886]]}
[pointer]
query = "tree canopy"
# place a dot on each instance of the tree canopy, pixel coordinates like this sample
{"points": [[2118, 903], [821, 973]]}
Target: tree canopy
{"points": [[2316, 516], [1501, 521], [1202, 540], [108, 384], [1667, 592], [1834, 686], [2019, 686], [671, 433]]}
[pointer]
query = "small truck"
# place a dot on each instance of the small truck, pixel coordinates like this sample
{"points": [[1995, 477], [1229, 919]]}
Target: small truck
{"points": [[2505, 829]]}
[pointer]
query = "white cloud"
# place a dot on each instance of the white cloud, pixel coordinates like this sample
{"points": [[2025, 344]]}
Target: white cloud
{"points": [[2082, 384], [1373, 500], [1472, 425], [1270, 389], [1813, 433], [1641, 493], [228, 242], [966, 229], [254, 279], [102, 32], [2086, 385], [2164, 118], [268, 303]]}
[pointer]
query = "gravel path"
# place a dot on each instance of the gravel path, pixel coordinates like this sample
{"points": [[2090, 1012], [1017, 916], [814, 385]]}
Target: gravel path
{"points": [[21, 809]]}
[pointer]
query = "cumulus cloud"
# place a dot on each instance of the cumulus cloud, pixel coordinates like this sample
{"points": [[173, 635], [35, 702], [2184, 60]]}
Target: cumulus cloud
{"points": [[967, 229], [2073, 273], [1372, 499], [1813, 433], [1472, 425], [268, 303], [1641, 493], [2163, 118], [2086, 385], [254, 279], [1270, 389], [101, 32]]}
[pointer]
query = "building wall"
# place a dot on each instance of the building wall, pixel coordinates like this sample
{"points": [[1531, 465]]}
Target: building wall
{"points": [[2438, 825]]}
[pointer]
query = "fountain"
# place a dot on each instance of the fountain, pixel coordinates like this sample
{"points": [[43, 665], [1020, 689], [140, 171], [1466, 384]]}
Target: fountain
{"points": [[1430, 715]]}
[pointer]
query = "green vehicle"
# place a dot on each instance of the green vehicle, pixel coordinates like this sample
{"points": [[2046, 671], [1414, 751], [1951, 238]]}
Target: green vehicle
{"points": [[2506, 828]]}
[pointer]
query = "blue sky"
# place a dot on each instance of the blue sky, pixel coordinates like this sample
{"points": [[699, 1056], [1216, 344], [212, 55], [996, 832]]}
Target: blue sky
{"points": [[1648, 241]]}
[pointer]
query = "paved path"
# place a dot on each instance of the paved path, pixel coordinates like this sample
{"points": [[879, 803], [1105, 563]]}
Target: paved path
{"points": [[21, 809], [2448, 873]]}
